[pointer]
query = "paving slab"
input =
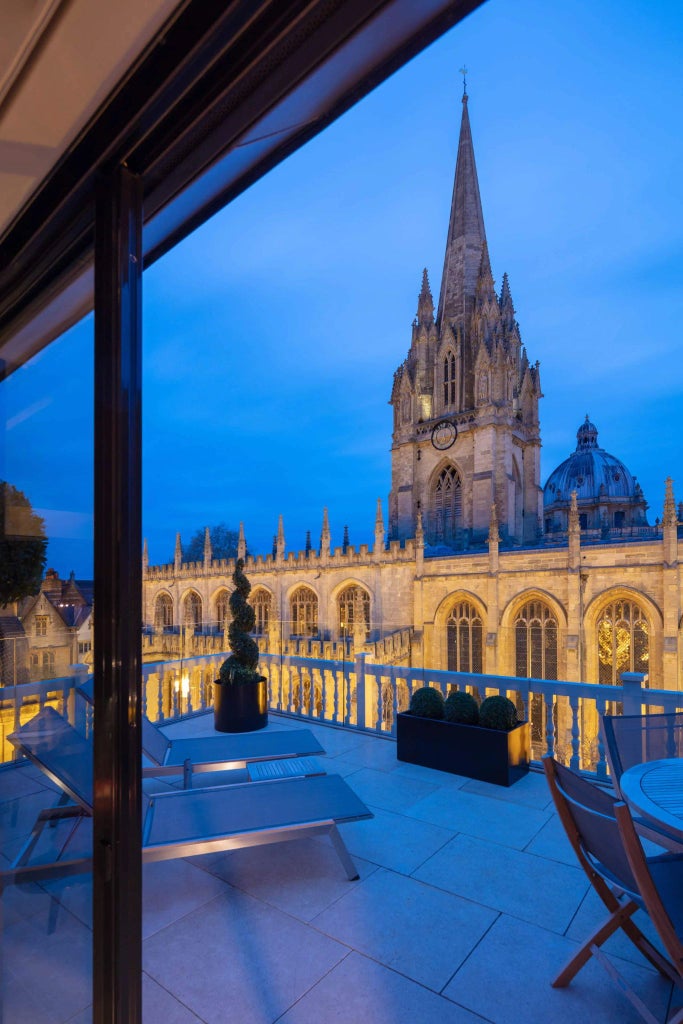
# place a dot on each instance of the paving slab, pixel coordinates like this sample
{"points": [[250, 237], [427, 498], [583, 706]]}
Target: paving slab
{"points": [[481, 816], [416, 929], [520, 884], [507, 979], [394, 841], [359, 989], [237, 953]]}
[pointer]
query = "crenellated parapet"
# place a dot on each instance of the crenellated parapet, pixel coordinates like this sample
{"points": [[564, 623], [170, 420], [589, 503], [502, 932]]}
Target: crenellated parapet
{"points": [[397, 551]]}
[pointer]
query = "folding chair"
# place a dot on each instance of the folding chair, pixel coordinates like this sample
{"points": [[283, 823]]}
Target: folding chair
{"points": [[603, 837], [634, 739], [180, 823], [193, 755]]}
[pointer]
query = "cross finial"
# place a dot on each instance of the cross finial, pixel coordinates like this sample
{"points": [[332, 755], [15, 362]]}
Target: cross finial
{"points": [[463, 72]]}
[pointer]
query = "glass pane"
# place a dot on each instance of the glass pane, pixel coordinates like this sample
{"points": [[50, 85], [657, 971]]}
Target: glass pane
{"points": [[46, 649]]}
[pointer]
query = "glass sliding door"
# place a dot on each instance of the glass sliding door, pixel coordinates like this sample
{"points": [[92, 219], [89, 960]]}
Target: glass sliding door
{"points": [[47, 649]]}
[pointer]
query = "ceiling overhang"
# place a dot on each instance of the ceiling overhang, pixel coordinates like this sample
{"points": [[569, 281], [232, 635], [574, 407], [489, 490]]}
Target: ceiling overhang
{"points": [[216, 96]]}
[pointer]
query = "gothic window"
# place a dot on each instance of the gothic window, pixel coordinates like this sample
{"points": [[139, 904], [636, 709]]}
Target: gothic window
{"points": [[536, 642], [354, 609], [163, 611], [446, 506], [464, 635], [304, 608], [623, 641], [222, 610], [41, 624], [193, 611], [405, 408], [48, 667], [449, 379], [260, 602]]}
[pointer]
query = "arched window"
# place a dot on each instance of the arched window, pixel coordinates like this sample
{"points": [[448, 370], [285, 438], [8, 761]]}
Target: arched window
{"points": [[260, 601], [304, 610], [464, 635], [163, 611], [222, 610], [623, 641], [536, 642], [193, 611], [354, 610], [449, 379], [446, 506]]}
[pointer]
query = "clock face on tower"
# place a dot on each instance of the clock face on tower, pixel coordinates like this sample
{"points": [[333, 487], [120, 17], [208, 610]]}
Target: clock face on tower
{"points": [[444, 435]]}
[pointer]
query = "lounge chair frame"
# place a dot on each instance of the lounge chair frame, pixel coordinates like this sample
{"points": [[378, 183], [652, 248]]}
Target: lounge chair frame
{"points": [[196, 755], [259, 813]]}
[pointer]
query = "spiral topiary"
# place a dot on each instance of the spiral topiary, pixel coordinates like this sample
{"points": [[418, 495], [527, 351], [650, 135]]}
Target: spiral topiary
{"points": [[461, 706], [427, 702], [241, 667], [498, 713]]}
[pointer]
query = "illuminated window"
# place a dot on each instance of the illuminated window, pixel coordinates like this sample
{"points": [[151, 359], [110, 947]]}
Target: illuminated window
{"points": [[41, 624], [446, 506], [163, 611], [623, 641], [354, 608], [304, 609], [464, 636], [260, 601], [222, 610], [536, 642], [48, 664], [193, 611], [449, 379]]}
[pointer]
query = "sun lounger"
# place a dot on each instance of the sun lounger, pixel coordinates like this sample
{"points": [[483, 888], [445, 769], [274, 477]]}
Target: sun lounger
{"points": [[181, 823], [193, 755]]}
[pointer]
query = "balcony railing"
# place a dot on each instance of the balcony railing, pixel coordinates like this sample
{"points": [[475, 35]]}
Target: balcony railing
{"points": [[360, 695]]}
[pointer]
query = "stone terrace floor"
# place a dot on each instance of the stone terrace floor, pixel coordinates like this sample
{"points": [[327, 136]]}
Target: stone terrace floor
{"points": [[469, 902]]}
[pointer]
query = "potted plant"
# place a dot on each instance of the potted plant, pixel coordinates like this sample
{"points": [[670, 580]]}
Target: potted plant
{"points": [[240, 693], [457, 735]]}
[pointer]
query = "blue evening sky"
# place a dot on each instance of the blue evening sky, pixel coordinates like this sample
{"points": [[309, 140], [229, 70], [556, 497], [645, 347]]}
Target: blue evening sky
{"points": [[272, 334]]}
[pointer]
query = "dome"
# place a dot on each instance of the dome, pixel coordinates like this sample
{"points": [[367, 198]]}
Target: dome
{"points": [[607, 494], [590, 471]]}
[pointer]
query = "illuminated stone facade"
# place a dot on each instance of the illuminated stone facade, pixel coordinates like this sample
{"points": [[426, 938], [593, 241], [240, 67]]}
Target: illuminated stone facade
{"points": [[479, 572]]}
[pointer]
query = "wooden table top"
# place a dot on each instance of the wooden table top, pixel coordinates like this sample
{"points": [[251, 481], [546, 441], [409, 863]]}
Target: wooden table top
{"points": [[655, 789]]}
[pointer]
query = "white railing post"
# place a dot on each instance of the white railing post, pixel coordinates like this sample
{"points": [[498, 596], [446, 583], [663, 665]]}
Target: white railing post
{"points": [[80, 674], [633, 685], [361, 717]]}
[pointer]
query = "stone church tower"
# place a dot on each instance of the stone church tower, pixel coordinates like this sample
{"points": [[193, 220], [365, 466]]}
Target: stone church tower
{"points": [[466, 429]]}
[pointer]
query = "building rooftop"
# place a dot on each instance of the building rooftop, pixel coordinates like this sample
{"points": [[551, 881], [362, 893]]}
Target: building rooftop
{"points": [[469, 902]]}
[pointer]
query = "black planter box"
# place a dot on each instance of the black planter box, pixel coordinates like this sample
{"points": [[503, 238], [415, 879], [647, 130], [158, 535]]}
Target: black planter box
{"points": [[489, 755], [241, 708]]}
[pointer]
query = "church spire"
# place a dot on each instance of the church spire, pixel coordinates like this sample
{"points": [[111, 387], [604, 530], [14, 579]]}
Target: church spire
{"points": [[280, 539], [425, 303], [466, 234]]}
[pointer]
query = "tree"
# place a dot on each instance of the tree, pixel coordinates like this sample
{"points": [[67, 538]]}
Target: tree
{"points": [[23, 547], [223, 544]]}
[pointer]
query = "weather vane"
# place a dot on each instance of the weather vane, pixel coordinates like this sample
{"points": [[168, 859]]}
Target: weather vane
{"points": [[463, 72]]}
